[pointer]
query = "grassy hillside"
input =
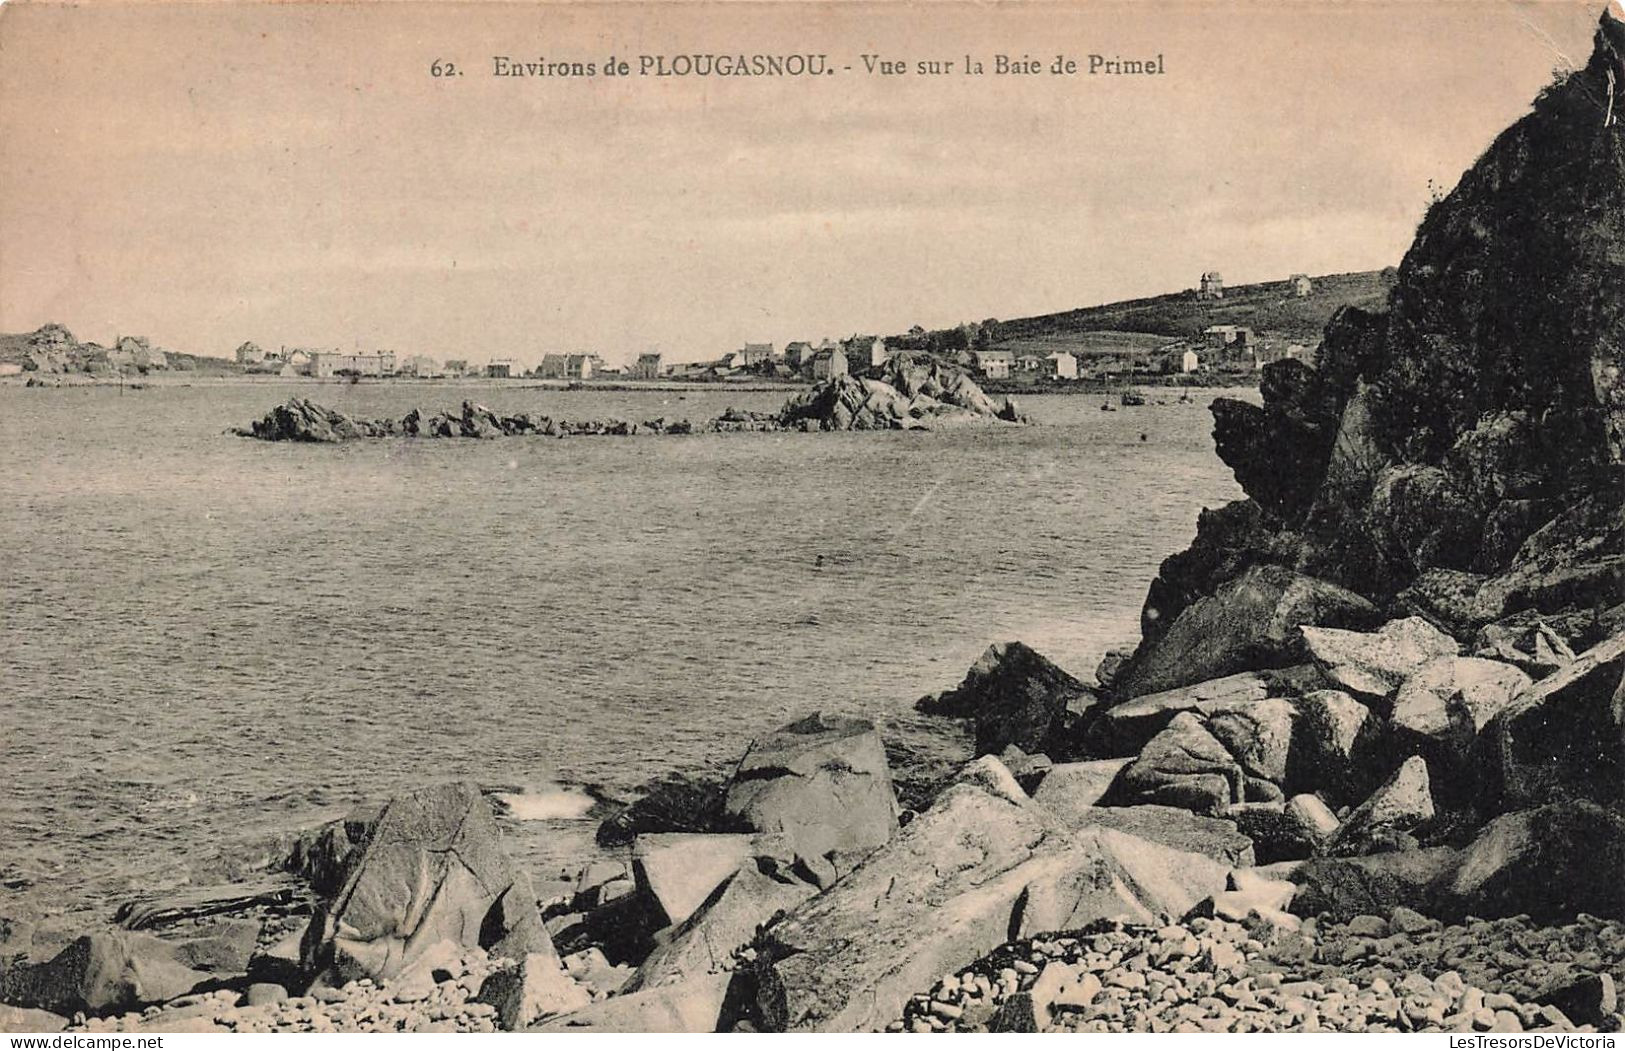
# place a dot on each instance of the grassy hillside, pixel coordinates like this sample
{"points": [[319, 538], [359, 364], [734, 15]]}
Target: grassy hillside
{"points": [[1267, 308], [1106, 343]]}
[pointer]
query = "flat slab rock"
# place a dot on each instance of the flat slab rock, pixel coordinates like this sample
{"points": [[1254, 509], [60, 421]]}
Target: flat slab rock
{"points": [[1172, 827], [680, 870], [1124, 728], [956, 882]]}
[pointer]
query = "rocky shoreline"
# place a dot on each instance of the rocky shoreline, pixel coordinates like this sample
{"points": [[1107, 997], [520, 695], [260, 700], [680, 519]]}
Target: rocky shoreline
{"points": [[1365, 769], [906, 393]]}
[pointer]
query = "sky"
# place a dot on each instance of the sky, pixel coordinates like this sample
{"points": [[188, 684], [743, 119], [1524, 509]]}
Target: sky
{"points": [[206, 174]]}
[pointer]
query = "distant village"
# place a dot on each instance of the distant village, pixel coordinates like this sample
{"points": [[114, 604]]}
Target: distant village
{"points": [[1224, 348], [1003, 355]]}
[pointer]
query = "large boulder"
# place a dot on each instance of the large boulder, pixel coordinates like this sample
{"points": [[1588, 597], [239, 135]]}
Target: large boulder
{"points": [[678, 871], [1016, 697], [222, 946], [1562, 737], [962, 878], [1373, 665], [1073, 786], [1441, 711], [1258, 733], [433, 869], [1550, 863], [102, 972], [1455, 698], [1184, 766], [535, 987], [1344, 887], [1172, 827], [1335, 746], [705, 942], [1404, 802], [1125, 727], [1229, 540], [823, 782], [1247, 624]]}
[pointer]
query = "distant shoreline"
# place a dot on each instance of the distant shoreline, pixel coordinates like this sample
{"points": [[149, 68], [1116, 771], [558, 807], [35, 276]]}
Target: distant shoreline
{"points": [[1002, 387]]}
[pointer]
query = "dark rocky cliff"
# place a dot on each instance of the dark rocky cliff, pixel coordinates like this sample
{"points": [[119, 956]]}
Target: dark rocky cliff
{"points": [[1460, 455]]}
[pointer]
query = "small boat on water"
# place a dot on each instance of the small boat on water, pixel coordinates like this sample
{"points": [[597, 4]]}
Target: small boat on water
{"points": [[1107, 406], [1132, 397]]}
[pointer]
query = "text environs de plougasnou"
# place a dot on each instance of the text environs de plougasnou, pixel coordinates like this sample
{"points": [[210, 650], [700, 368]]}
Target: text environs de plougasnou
{"points": [[681, 65]]}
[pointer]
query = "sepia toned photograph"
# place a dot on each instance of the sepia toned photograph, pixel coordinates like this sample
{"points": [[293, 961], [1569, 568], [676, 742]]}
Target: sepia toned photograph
{"points": [[822, 516]]}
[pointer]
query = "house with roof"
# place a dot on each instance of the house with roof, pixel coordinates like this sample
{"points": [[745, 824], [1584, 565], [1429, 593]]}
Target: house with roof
{"points": [[325, 364], [827, 364], [1211, 286], [754, 354], [1299, 286], [647, 367], [500, 369], [554, 366], [1061, 365], [995, 364]]}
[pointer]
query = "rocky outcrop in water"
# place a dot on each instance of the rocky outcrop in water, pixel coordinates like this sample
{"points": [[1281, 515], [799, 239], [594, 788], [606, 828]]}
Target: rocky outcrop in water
{"points": [[904, 394], [1014, 696]]}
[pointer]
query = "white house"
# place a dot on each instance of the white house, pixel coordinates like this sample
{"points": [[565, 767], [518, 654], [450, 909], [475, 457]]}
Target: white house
{"points": [[1061, 365], [827, 364]]}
